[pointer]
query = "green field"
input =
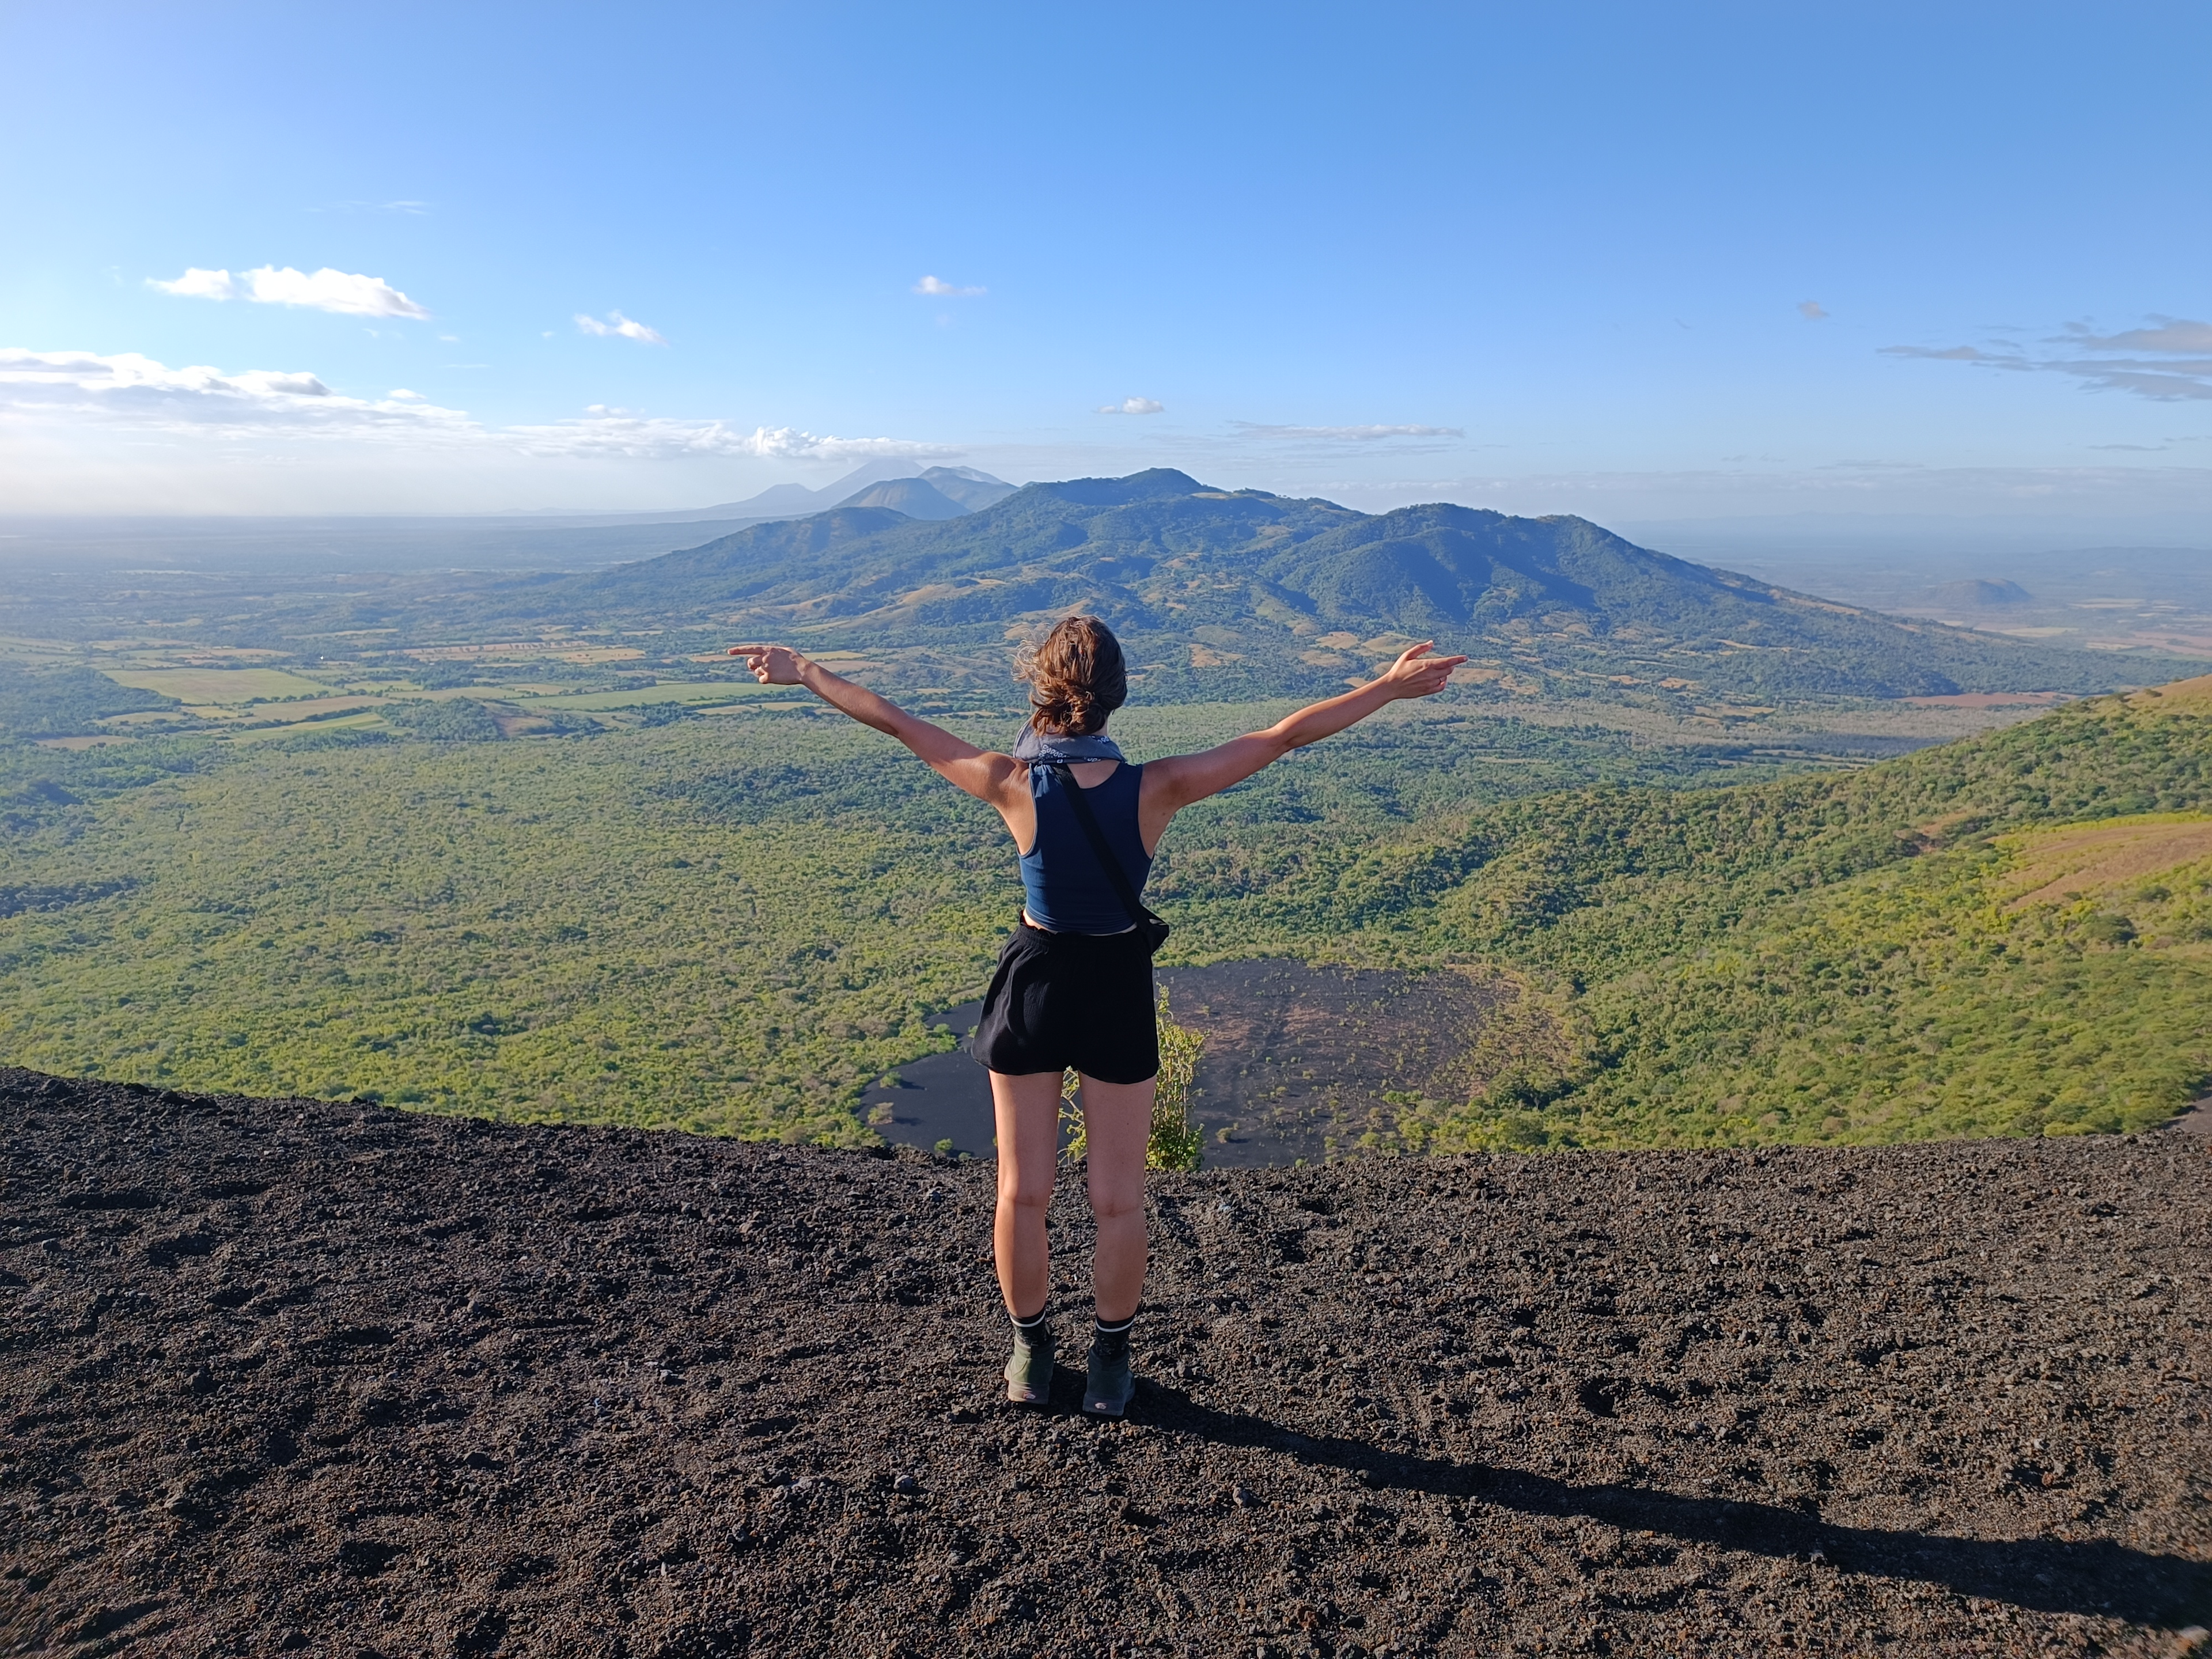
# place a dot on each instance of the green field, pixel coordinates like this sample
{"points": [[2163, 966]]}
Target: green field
{"points": [[217, 685], [692, 694]]}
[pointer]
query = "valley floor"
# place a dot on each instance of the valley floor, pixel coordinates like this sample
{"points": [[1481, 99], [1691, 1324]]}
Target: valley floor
{"points": [[301, 1375]]}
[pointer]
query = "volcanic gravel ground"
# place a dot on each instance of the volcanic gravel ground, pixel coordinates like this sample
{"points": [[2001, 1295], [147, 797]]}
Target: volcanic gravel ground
{"points": [[301, 1375]]}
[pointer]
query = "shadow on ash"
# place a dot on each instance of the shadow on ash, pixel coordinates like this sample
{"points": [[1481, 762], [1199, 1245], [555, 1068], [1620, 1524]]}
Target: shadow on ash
{"points": [[291, 1376]]}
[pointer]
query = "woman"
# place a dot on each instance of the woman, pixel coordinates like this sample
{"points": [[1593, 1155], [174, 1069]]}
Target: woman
{"points": [[1074, 983]]}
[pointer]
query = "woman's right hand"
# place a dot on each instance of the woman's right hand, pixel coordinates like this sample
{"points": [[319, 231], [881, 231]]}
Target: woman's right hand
{"points": [[1417, 674], [773, 665]]}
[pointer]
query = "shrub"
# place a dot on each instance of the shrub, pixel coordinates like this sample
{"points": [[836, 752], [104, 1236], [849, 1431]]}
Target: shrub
{"points": [[1175, 1140]]}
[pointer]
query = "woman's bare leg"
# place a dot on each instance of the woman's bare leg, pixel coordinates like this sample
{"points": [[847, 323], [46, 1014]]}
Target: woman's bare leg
{"points": [[1117, 1121], [1027, 1106]]}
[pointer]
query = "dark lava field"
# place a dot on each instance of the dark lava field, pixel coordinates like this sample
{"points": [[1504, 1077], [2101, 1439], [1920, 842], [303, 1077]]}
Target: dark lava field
{"points": [[289, 1376]]}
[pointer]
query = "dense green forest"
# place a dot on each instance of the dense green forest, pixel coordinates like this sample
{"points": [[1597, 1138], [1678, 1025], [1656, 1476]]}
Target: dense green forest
{"points": [[2007, 935], [736, 923], [66, 700], [732, 923]]}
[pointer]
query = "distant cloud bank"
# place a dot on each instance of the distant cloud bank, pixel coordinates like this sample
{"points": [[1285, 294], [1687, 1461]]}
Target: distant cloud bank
{"points": [[137, 391], [619, 326], [1133, 406], [127, 390], [604, 431], [938, 287], [2183, 373], [338, 291]]}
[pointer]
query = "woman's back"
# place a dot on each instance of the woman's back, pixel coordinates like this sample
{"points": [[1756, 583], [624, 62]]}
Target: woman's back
{"points": [[1066, 890], [1074, 993]]}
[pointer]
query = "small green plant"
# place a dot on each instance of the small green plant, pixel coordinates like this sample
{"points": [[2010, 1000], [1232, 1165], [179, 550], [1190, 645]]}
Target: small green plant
{"points": [[944, 1148], [1175, 1140]]}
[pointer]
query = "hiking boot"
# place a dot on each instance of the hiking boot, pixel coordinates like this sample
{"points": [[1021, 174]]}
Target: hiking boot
{"points": [[1029, 1371], [1109, 1382]]}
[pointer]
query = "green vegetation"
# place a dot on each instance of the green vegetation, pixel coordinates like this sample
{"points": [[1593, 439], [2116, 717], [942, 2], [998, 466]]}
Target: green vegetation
{"points": [[65, 702], [604, 878], [1883, 956], [731, 922]]}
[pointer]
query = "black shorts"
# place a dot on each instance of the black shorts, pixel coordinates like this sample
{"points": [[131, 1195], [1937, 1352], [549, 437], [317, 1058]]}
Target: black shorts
{"points": [[1079, 1000]]}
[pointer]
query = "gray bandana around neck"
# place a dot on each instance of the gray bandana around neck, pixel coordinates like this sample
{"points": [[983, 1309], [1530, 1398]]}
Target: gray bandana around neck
{"points": [[1033, 745]]}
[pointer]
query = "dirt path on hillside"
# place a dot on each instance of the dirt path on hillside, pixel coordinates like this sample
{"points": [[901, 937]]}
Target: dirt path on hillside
{"points": [[303, 1376]]}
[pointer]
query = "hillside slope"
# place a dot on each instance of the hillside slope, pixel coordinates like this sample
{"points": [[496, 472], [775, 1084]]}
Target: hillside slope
{"points": [[2007, 935], [1213, 587], [294, 1375]]}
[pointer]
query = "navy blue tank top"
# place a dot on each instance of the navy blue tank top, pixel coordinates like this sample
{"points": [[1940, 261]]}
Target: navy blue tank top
{"points": [[1064, 890]]}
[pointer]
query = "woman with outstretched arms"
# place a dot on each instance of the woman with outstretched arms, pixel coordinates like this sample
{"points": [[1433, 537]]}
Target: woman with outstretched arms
{"points": [[1073, 987]]}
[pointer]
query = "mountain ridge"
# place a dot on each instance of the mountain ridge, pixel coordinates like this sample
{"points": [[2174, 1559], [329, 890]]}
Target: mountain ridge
{"points": [[1286, 591]]}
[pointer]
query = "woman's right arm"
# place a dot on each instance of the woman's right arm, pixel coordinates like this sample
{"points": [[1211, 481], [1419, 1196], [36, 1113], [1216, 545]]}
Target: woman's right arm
{"points": [[987, 776]]}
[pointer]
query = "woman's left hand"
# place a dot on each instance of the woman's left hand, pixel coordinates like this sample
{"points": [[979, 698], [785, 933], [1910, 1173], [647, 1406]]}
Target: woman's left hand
{"points": [[773, 665]]}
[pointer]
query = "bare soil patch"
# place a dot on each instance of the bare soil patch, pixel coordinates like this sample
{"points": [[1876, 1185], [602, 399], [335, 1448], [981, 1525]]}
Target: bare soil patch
{"points": [[1988, 699], [310, 1376], [1300, 1061], [2179, 696], [2063, 863]]}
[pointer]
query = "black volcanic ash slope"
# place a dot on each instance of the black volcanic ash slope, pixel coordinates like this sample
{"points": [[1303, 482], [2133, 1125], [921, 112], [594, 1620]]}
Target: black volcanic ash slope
{"points": [[302, 1375]]}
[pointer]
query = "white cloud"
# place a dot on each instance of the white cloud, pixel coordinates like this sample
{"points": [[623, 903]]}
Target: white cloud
{"points": [[618, 326], [1133, 406], [197, 284], [1812, 311], [43, 392], [326, 289], [137, 391], [1343, 434], [604, 431], [2175, 378], [940, 288]]}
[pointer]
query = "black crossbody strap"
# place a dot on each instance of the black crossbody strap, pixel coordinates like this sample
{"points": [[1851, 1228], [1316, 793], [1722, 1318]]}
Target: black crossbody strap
{"points": [[1139, 915]]}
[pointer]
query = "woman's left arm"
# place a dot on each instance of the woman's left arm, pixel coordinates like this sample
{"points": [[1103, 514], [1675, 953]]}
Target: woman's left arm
{"points": [[1173, 784], [981, 773]]}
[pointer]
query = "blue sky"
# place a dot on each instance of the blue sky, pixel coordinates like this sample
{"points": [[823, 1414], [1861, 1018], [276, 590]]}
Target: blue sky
{"points": [[1633, 261]]}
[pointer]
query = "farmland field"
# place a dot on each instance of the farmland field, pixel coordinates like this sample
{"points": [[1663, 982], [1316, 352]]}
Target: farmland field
{"points": [[219, 685]]}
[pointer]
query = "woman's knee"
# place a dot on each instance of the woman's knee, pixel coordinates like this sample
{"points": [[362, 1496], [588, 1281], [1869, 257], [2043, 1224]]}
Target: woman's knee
{"points": [[1111, 1201], [1019, 1193]]}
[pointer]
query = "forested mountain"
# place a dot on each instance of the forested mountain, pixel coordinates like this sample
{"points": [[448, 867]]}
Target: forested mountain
{"points": [[1273, 593], [915, 497]]}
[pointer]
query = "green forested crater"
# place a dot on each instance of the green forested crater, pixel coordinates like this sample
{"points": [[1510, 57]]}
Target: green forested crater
{"points": [[731, 923], [736, 922]]}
